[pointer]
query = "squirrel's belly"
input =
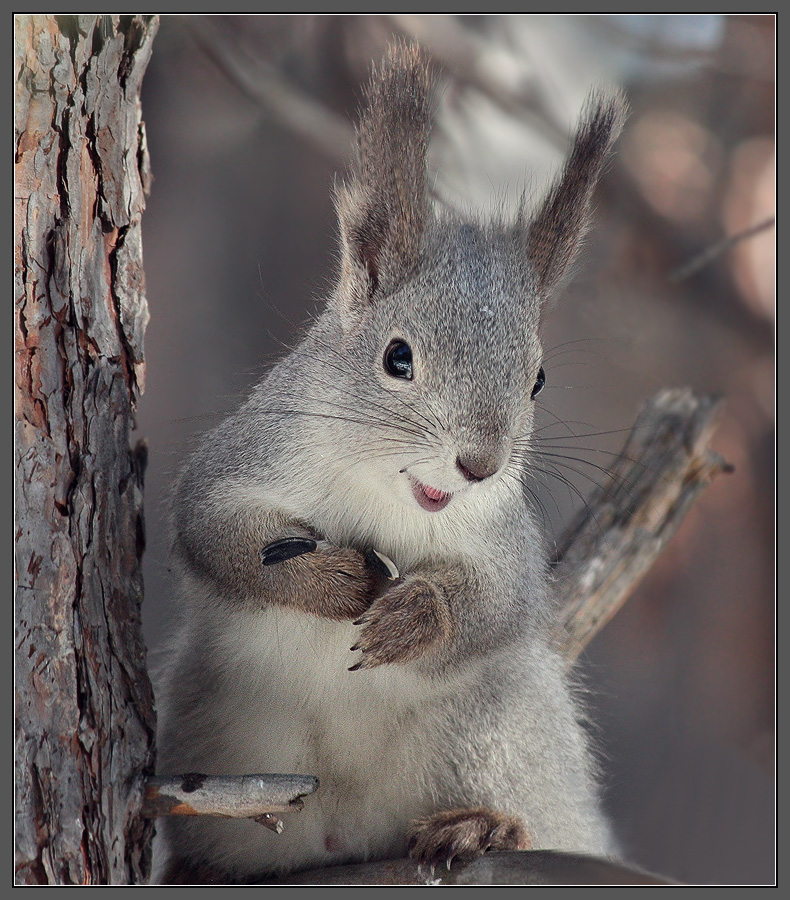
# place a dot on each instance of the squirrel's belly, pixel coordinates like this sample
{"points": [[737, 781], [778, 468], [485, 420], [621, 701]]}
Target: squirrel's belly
{"points": [[366, 735]]}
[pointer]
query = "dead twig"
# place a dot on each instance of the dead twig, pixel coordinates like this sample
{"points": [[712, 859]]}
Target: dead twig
{"points": [[256, 797], [708, 255]]}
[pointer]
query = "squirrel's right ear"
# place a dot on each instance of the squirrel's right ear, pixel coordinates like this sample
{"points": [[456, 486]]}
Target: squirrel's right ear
{"points": [[383, 204], [553, 237]]}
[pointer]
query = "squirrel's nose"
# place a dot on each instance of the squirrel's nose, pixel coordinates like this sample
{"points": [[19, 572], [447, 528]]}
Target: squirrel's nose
{"points": [[477, 468]]}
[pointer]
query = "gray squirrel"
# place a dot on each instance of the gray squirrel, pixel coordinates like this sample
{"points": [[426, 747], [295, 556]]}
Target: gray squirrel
{"points": [[364, 588]]}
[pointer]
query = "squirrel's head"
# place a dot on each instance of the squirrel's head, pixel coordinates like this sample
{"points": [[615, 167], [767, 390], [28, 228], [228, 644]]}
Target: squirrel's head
{"points": [[440, 318]]}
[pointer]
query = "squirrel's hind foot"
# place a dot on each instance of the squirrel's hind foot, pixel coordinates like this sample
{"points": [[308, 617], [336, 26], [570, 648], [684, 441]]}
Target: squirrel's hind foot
{"points": [[465, 834]]}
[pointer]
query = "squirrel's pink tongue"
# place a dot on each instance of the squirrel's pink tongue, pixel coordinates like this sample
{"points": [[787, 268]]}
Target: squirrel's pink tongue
{"points": [[433, 493], [429, 498]]}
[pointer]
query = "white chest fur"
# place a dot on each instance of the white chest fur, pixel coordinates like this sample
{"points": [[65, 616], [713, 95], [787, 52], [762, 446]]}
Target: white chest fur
{"points": [[291, 705]]}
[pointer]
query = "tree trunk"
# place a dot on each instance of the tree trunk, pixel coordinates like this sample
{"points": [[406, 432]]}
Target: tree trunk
{"points": [[84, 704]]}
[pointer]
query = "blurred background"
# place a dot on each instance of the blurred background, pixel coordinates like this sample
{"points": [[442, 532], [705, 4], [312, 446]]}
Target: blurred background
{"points": [[247, 121]]}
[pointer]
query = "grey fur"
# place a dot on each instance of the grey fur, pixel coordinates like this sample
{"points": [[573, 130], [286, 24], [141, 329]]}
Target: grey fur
{"points": [[477, 710]]}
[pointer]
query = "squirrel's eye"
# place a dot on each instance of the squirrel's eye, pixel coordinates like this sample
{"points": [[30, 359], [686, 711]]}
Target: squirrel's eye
{"points": [[538, 384], [397, 360]]}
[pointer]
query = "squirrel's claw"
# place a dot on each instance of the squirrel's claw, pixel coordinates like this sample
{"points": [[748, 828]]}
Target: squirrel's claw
{"points": [[382, 564], [286, 548]]}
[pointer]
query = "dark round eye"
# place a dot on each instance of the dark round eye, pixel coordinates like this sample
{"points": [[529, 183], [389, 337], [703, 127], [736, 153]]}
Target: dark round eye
{"points": [[397, 360], [538, 384]]}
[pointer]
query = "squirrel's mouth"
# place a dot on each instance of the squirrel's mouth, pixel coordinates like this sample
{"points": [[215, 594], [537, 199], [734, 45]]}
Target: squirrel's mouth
{"points": [[429, 498]]}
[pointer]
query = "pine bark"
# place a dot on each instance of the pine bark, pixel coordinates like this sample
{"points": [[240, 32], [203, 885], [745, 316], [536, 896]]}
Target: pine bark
{"points": [[84, 704]]}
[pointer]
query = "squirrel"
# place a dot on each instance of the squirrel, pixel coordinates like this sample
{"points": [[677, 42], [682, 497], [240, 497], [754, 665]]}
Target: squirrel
{"points": [[364, 587]]}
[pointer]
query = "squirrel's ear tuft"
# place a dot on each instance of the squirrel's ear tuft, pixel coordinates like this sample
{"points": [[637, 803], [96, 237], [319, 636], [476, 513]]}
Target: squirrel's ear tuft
{"points": [[383, 204], [555, 233]]}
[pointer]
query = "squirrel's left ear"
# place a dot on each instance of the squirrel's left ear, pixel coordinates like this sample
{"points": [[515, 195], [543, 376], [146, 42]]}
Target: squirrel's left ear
{"points": [[554, 235], [383, 205]]}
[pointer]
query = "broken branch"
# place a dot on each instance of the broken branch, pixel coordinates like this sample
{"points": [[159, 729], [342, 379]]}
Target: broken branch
{"points": [[663, 466], [256, 797]]}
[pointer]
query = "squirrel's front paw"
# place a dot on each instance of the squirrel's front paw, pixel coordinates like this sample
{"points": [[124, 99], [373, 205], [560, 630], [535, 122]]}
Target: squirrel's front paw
{"points": [[324, 580], [465, 834], [402, 624]]}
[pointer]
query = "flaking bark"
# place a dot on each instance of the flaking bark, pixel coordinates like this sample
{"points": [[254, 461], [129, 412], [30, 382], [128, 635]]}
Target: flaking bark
{"points": [[84, 704]]}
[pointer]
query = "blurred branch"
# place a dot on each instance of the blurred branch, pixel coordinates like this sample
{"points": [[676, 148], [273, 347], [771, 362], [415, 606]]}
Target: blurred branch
{"points": [[269, 89], [702, 259], [625, 525], [506, 80], [265, 85], [718, 298]]}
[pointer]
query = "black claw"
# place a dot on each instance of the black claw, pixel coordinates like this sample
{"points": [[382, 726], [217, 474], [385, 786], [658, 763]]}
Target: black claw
{"points": [[286, 548], [380, 565], [434, 860], [355, 647], [492, 834], [355, 667]]}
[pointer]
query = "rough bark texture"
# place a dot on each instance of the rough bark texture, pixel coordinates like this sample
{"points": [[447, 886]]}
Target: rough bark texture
{"points": [[84, 704]]}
